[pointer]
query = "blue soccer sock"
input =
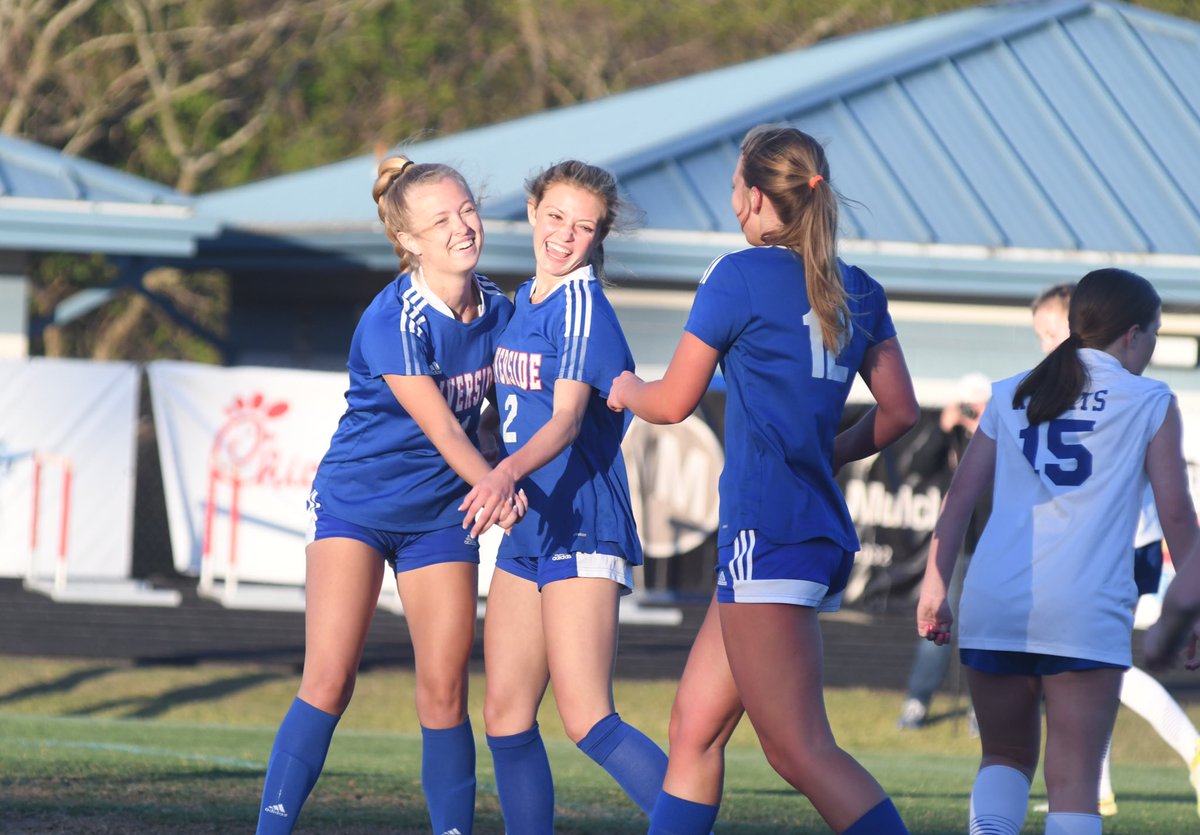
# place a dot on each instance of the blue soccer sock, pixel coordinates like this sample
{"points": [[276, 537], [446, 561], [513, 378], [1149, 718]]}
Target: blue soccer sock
{"points": [[448, 777], [675, 816], [296, 762], [523, 782], [632, 758], [880, 819]]}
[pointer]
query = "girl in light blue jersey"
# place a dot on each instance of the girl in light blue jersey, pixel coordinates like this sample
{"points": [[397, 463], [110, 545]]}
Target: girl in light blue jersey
{"points": [[390, 488], [552, 605], [1047, 604], [790, 325]]}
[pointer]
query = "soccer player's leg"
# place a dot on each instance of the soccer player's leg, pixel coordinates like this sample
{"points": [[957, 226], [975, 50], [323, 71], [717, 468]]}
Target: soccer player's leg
{"points": [[439, 605], [582, 672], [1081, 707], [516, 675], [341, 591], [703, 717], [1008, 708]]}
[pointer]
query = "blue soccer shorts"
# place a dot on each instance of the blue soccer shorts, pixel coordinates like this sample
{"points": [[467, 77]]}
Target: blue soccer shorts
{"points": [[565, 565], [1008, 663], [1148, 567], [753, 570], [403, 551]]}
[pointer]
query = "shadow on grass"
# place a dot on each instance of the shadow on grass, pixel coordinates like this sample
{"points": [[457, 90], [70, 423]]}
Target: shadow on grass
{"points": [[150, 707], [62, 684]]}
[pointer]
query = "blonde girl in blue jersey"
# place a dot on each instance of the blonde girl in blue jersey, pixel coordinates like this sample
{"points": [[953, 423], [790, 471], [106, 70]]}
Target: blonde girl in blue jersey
{"points": [[553, 601], [389, 491], [1047, 604], [790, 325]]}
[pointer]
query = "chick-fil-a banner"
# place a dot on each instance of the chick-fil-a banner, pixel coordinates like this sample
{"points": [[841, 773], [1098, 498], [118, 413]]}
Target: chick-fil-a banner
{"points": [[239, 447], [67, 457]]}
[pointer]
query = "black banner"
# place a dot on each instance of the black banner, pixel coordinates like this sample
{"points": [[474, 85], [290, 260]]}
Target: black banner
{"points": [[894, 498]]}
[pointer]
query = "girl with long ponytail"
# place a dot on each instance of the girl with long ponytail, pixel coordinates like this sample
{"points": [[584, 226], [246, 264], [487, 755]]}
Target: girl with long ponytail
{"points": [[790, 325]]}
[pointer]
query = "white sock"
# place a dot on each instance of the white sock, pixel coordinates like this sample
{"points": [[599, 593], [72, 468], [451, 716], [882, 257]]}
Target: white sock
{"points": [[1142, 694], [999, 800], [1106, 789], [1072, 823]]}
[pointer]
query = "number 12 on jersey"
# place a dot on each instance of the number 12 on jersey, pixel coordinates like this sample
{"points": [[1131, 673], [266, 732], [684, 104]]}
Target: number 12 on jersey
{"points": [[824, 363], [1051, 435]]}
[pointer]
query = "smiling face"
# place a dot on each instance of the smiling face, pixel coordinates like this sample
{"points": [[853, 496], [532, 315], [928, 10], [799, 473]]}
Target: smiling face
{"points": [[446, 233], [566, 226]]}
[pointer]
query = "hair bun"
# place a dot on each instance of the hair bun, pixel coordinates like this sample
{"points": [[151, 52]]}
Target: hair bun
{"points": [[390, 170]]}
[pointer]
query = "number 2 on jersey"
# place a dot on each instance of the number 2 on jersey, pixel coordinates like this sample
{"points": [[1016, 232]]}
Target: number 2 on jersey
{"points": [[510, 414], [824, 363], [1062, 449]]}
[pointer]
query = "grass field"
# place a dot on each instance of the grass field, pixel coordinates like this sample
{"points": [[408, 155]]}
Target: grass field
{"points": [[97, 747]]}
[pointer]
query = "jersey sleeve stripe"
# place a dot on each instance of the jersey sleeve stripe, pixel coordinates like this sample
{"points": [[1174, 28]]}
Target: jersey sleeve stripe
{"points": [[713, 266], [412, 322], [578, 328]]}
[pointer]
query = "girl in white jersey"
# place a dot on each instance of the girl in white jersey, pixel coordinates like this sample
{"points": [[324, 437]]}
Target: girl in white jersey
{"points": [[553, 602], [1140, 692], [1048, 600], [389, 490], [790, 326]]}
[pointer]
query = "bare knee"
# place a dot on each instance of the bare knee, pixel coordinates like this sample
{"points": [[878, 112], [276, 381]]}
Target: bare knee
{"points": [[328, 690], [1018, 757], [441, 700], [692, 738], [799, 762], [579, 721], [505, 715]]}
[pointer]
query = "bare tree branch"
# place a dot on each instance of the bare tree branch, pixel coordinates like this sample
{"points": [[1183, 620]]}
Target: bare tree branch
{"points": [[40, 60]]}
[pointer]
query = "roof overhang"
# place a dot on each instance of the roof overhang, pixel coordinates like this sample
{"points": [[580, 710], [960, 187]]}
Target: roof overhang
{"points": [[658, 257], [111, 228]]}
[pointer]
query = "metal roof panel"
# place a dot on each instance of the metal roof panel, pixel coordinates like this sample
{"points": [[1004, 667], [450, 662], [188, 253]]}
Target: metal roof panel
{"points": [[1060, 125]]}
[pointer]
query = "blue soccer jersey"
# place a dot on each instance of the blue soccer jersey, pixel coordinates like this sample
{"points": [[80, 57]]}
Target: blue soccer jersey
{"points": [[382, 471], [579, 501], [785, 392]]}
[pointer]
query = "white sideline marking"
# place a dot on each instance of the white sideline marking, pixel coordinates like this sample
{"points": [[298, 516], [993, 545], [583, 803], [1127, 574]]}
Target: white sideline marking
{"points": [[135, 749]]}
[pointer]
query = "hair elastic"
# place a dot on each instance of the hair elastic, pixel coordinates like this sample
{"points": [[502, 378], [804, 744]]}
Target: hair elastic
{"points": [[814, 179]]}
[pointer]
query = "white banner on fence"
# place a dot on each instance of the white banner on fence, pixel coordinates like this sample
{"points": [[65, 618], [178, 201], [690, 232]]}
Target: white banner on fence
{"points": [[67, 457], [239, 447]]}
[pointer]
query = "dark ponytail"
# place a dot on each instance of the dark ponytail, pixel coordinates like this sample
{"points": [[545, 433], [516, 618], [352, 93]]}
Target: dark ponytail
{"points": [[1104, 306]]}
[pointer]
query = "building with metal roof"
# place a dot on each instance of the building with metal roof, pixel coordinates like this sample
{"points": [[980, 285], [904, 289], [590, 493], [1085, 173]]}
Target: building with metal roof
{"points": [[986, 153], [54, 202]]}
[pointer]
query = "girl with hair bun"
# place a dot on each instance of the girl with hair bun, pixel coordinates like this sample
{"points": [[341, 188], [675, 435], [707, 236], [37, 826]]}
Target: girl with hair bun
{"points": [[790, 325], [1047, 605], [389, 491]]}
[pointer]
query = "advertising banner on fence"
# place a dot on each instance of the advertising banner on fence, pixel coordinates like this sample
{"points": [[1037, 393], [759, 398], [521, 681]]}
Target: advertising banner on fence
{"points": [[239, 447], [67, 431]]}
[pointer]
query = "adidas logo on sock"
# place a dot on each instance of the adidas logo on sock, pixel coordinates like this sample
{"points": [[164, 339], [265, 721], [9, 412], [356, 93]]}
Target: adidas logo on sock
{"points": [[452, 831], [277, 809]]}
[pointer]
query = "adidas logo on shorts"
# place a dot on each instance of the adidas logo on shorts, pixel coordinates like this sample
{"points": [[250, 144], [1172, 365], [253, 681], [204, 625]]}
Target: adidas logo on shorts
{"points": [[721, 579], [276, 809], [557, 557]]}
